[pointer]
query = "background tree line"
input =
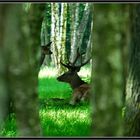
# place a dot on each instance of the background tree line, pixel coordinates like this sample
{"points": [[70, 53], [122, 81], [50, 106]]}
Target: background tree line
{"points": [[69, 28]]}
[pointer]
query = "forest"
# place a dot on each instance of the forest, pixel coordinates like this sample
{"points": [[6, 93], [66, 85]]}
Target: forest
{"points": [[69, 70]]}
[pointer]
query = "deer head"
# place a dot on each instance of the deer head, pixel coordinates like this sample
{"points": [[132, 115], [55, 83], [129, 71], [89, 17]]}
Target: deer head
{"points": [[45, 50], [71, 75]]}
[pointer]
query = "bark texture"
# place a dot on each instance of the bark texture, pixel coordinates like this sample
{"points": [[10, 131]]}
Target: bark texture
{"points": [[19, 60], [132, 110]]}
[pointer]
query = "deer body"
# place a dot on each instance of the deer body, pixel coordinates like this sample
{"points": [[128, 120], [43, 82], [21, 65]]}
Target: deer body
{"points": [[80, 94], [80, 88]]}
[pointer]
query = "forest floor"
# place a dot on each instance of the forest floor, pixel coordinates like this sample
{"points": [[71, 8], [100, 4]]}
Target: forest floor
{"points": [[58, 117]]}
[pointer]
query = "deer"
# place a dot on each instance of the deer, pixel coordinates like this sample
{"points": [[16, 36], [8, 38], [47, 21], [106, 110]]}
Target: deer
{"points": [[45, 50], [80, 88]]}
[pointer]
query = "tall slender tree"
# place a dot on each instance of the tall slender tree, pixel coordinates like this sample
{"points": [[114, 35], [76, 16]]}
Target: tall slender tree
{"points": [[58, 32], [78, 36], [55, 31], [62, 36], [74, 8], [89, 44]]}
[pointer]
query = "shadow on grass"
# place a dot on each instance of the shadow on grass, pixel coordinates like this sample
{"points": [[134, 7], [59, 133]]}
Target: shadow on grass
{"points": [[60, 103]]}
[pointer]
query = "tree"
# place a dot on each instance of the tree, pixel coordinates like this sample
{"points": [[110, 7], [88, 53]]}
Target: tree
{"points": [[74, 8], [62, 36], [35, 19], [19, 64], [4, 94], [79, 34], [107, 70], [89, 45], [58, 32], [55, 31], [132, 110]]}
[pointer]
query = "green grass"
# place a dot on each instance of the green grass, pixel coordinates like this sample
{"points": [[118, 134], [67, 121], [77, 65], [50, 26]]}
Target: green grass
{"points": [[58, 117], [65, 121], [51, 88], [10, 127]]}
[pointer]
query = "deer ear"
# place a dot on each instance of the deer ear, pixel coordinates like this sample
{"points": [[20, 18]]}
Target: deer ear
{"points": [[49, 44], [78, 69], [46, 49], [42, 46], [46, 46]]}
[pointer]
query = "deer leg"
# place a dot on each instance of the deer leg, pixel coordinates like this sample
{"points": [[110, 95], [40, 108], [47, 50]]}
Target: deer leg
{"points": [[72, 101], [85, 96], [76, 96]]}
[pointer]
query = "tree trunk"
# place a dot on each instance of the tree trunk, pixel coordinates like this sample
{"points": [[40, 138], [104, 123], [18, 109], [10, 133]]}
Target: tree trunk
{"points": [[89, 49], [107, 81], [4, 89], [20, 58], [35, 18], [62, 36], [125, 35], [55, 32], [132, 110], [74, 26], [83, 25], [77, 43]]}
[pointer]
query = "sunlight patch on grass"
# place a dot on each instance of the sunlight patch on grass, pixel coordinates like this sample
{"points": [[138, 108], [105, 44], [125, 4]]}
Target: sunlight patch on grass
{"points": [[47, 72], [66, 122]]}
